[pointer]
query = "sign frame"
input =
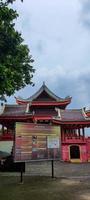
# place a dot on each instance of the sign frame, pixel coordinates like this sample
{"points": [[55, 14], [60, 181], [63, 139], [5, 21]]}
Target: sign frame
{"points": [[52, 148]]}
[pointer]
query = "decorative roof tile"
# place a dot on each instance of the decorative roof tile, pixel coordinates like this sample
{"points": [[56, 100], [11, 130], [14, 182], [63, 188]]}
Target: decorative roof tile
{"points": [[14, 110], [72, 115]]}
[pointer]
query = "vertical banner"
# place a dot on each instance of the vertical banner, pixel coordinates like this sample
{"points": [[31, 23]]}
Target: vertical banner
{"points": [[36, 142]]}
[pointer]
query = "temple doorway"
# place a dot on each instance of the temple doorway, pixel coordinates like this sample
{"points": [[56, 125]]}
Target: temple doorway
{"points": [[74, 152]]}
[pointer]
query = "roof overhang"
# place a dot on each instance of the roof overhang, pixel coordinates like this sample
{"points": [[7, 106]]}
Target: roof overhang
{"points": [[44, 88], [9, 118], [44, 103], [85, 123]]}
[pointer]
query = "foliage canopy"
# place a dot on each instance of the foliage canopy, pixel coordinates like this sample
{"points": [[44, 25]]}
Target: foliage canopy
{"points": [[16, 70]]}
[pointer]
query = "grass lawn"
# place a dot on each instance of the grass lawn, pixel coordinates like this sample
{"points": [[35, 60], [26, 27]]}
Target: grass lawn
{"points": [[43, 188]]}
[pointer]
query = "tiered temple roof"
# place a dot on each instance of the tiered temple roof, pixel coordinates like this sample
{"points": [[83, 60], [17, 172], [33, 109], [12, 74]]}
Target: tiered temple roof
{"points": [[45, 97], [14, 110], [14, 113], [68, 116], [72, 117], [43, 105]]}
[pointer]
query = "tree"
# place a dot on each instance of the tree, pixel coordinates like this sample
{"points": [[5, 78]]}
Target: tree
{"points": [[16, 70]]}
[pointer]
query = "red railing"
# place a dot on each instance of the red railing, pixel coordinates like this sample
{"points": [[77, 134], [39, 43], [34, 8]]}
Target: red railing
{"points": [[6, 137]]}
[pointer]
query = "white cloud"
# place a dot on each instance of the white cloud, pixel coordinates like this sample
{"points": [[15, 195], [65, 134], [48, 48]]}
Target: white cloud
{"points": [[59, 44]]}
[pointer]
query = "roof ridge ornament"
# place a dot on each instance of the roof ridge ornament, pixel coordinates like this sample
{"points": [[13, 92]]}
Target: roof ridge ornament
{"points": [[27, 108], [84, 114], [43, 83], [2, 107], [58, 111]]}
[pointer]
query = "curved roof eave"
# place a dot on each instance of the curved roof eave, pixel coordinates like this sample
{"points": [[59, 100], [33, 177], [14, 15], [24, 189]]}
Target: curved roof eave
{"points": [[49, 92]]}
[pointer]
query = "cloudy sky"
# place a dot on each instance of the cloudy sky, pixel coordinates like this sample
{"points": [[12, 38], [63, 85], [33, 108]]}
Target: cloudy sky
{"points": [[58, 35]]}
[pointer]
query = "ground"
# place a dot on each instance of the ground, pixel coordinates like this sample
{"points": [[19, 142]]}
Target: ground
{"points": [[71, 182]]}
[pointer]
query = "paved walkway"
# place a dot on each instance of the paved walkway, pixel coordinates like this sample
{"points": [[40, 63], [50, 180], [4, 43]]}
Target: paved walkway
{"points": [[61, 169]]}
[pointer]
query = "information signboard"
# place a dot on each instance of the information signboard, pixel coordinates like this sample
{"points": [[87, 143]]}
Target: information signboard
{"points": [[36, 142]]}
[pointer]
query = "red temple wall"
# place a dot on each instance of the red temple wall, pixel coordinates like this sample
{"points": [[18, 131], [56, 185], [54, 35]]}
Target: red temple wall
{"points": [[6, 137], [65, 152], [65, 149], [88, 148], [83, 153]]}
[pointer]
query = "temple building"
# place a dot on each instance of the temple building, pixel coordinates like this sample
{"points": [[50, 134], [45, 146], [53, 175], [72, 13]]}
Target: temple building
{"points": [[44, 107]]}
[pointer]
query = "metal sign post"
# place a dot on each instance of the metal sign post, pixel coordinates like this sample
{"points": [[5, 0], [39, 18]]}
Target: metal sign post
{"points": [[52, 163], [21, 174]]}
